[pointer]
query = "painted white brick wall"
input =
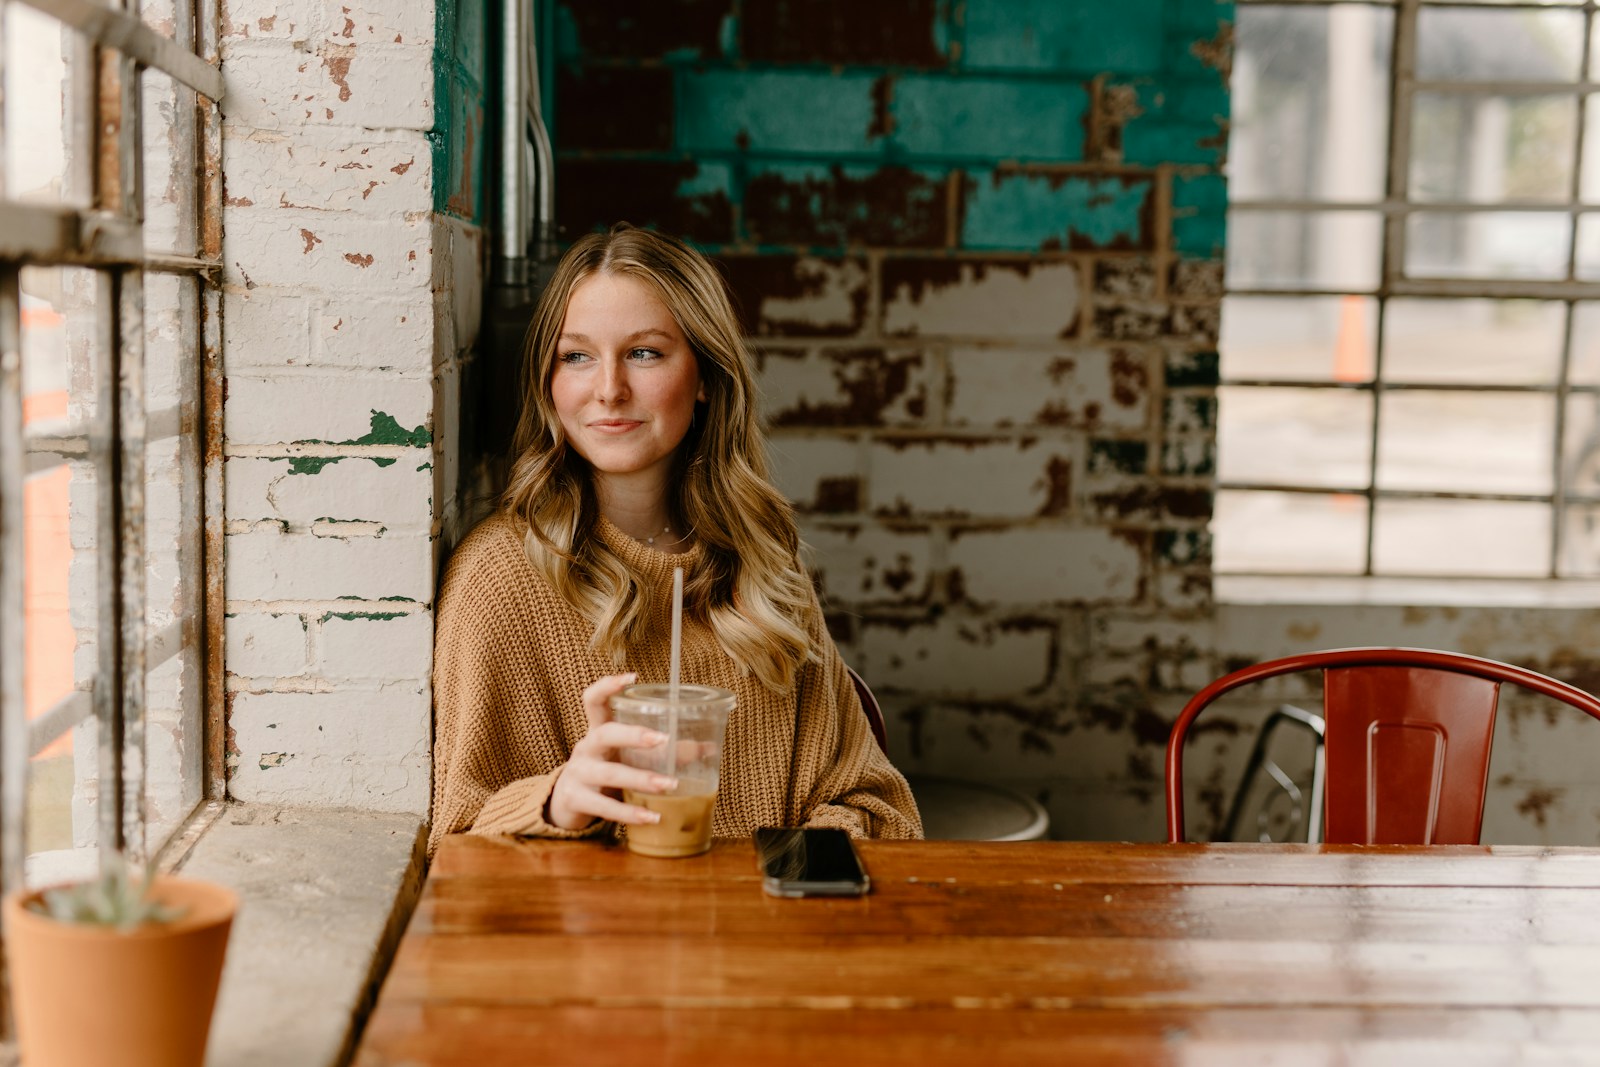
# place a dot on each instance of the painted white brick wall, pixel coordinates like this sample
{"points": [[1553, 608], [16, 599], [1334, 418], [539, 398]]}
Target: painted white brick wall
{"points": [[348, 305]]}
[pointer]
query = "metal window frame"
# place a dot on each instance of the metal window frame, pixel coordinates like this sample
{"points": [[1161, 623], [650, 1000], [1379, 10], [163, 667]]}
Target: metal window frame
{"points": [[1397, 206], [111, 46]]}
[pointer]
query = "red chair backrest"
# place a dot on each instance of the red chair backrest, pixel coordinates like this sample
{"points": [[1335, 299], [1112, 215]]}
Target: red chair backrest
{"points": [[1408, 738], [869, 704]]}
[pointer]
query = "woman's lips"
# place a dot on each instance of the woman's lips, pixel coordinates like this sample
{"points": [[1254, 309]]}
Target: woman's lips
{"points": [[615, 426]]}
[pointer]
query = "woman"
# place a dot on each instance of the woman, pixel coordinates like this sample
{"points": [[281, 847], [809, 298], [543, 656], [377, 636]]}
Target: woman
{"points": [[638, 452]]}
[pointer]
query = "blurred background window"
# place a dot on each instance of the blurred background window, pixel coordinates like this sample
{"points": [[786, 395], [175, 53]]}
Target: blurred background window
{"points": [[1411, 334]]}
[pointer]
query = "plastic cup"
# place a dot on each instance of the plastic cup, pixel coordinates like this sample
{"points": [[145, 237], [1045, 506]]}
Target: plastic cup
{"points": [[694, 724]]}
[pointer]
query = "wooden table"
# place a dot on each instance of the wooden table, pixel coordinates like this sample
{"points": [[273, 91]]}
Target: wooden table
{"points": [[528, 952]]}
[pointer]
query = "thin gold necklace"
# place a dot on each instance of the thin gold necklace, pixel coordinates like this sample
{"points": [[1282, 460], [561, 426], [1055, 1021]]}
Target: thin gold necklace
{"points": [[651, 540]]}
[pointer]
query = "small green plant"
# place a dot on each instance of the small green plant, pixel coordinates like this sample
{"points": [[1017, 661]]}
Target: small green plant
{"points": [[115, 898]]}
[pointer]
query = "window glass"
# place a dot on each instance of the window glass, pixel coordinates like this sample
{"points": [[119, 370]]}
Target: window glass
{"points": [[1487, 244], [1291, 533], [1292, 137], [58, 312], [1303, 249], [1313, 338], [1466, 442], [1313, 437], [35, 76], [1488, 148], [1455, 44], [1486, 537], [1491, 342]]}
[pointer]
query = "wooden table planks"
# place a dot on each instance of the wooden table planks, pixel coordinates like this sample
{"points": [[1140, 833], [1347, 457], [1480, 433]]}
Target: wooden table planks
{"points": [[575, 952]]}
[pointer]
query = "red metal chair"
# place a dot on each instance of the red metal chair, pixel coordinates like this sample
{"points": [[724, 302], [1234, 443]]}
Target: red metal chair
{"points": [[1408, 736]]}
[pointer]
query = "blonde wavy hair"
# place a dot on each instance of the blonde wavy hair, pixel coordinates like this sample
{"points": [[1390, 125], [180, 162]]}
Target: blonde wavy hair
{"points": [[751, 589]]}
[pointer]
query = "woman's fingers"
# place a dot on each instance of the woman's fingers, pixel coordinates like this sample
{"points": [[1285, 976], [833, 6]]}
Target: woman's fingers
{"points": [[590, 787], [603, 774], [607, 738], [597, 698], [591, 784], [618, 811]]}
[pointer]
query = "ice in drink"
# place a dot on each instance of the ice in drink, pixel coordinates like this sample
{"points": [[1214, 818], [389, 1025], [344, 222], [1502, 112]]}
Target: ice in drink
{"points": [[685, 826]]}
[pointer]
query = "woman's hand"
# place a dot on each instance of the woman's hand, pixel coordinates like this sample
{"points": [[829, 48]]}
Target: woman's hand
{"points": [[591, 783]]}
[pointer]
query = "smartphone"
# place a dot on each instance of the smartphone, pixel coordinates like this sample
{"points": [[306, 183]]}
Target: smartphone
{"points": [[810, 862]]}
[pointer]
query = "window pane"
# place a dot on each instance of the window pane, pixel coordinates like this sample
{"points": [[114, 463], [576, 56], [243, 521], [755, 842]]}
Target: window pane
{"points": [[167, 182], [1457, 45], [1314, 437], [1291, 138], [1315, 338], [1584, 367], [1487, 538], [174, 687], [1594, 50], [1303, 249], [1466, 442], [1580, 445], [34, 76], [58, 315], [1588, 252], [1489, 342], [1290, 532], [1589, 180], [1580, 544], [1485, 149], [1487, 244]]}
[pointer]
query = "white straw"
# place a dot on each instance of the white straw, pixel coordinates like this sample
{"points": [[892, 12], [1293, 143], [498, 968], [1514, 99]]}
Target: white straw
{"points": [[677, 631]]}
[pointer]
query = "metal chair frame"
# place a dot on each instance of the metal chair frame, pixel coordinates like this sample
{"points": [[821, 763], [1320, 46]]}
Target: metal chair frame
{"points": [[1310, 813]]}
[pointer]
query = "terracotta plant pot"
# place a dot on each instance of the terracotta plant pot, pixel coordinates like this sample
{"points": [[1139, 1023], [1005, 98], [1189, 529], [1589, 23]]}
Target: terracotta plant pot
{"points": [[89, 996]]}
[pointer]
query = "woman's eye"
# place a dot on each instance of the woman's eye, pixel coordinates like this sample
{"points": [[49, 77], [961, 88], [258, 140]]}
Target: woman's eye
{"points": [[572, 357], [644, 353]]}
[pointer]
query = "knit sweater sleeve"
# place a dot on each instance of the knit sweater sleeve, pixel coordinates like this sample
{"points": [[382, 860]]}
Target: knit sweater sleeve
{"points": [[489, 731], [843, 778]]}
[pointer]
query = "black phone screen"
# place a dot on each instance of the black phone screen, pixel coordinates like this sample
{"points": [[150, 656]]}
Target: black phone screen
{"points": [[809, 862]]}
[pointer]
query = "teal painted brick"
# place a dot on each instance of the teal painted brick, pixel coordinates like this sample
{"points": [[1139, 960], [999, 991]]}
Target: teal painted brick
{"points": [[777, 111], [566, 34], [1180, 122], [1196, 18], [1192, 23], [989, 118], [1078, 36], [1199, 215], [709, 179], [1034, 211]]}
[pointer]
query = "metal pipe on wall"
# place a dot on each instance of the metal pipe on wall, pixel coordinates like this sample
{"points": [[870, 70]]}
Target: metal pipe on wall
{"points": [[523, 238], [524, 226]]}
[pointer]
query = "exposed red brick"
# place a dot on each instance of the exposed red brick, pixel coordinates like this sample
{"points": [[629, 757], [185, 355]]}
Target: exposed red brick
{"points": [[761, 283], [1154, 501], [893, 33], [614, 108], [593, 193], [871, 380], [1058, 501], [892, 207], [626, 29], [882, 124], [1130, 378], [839, 495]]}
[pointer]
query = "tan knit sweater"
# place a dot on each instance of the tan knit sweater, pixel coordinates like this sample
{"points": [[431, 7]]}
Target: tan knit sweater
{"points": [[511, 661]]}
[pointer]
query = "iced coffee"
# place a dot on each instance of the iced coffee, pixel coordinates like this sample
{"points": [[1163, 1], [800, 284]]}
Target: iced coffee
{"points": [[694, 723]]}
